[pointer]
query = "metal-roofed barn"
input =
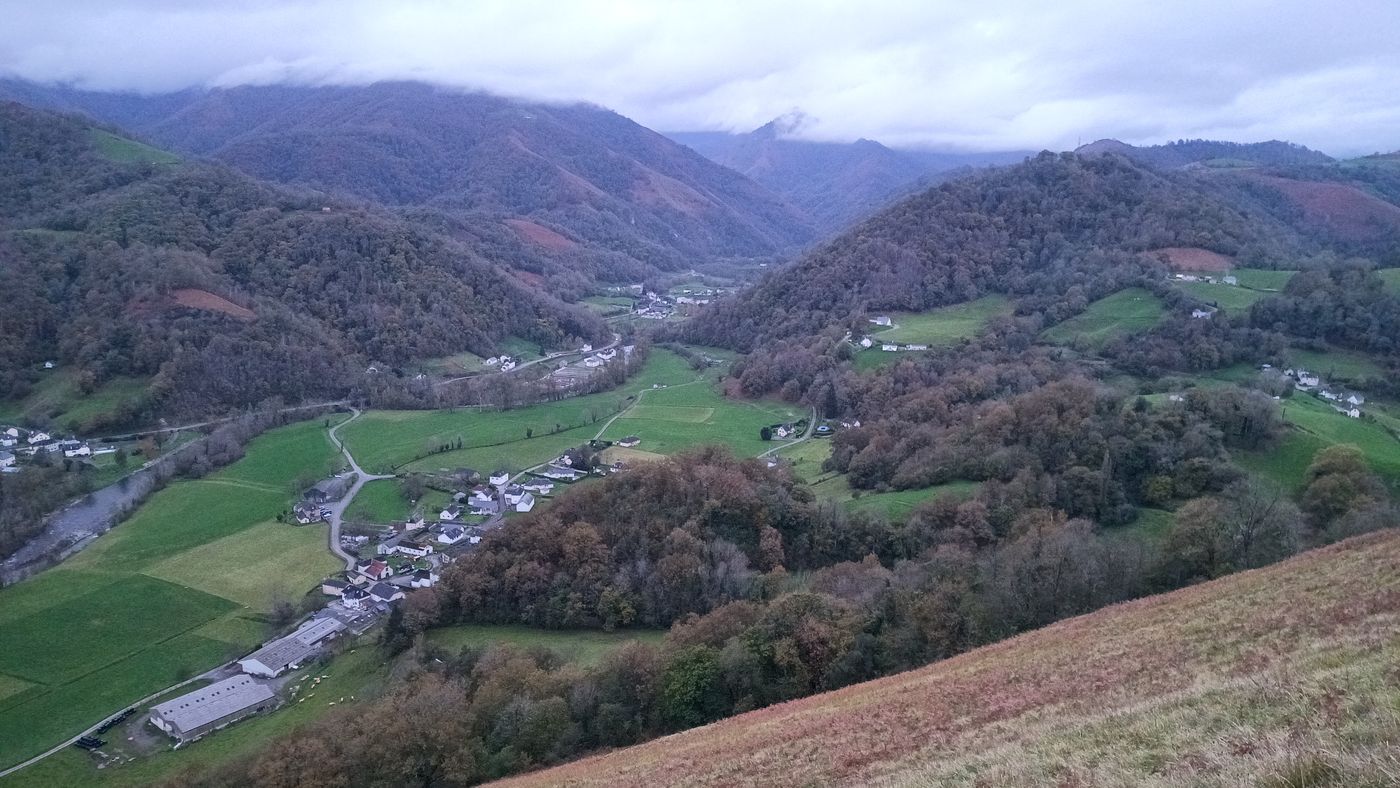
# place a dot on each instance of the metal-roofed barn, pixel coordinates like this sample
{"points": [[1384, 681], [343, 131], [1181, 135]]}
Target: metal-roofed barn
{"points": [[196, 713], [289, 652]]}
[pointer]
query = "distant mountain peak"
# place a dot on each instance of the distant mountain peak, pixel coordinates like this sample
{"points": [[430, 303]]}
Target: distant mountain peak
{"points": [[788, 124]]}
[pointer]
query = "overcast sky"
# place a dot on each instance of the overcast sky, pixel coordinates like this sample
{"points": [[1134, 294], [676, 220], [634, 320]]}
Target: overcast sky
{"points": [[974, 75]]}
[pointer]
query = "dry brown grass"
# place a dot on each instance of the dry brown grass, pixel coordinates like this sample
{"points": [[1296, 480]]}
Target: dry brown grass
{"points": [[539, 234], [1191, 258], [1286, 676], [203, 299]]}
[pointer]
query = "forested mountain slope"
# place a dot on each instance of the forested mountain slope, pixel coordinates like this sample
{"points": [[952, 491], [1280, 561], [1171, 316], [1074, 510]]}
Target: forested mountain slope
{"points": [[554, 187], [1185, 152], [834, 183], [1055, 225], [117, 259], [1279, 676]]}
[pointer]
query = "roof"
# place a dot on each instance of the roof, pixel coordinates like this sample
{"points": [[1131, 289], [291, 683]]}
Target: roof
{"points": [[331, 486], [355, 592], [334, 583], [214, 702], [384, 591], [297, 646]]}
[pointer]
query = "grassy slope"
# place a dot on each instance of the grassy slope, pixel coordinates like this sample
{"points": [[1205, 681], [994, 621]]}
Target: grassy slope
{"points": [[57, 398], [167, 594], [1125, 312], [1262, 278], [586, 646], [127, 151], [1228, 297], [1274, 675], [1392, 278], [942, 326], [1337, 365]]}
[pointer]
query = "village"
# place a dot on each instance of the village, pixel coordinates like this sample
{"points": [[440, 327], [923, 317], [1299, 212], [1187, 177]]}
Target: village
{"points": [[388, 562], [20, 447]]}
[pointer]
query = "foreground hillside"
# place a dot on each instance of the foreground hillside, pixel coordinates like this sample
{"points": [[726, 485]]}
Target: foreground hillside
{"points": [[1283, 675], [555, 189]]}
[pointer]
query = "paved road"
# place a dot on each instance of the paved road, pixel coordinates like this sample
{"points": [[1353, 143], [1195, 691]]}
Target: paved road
{"points": [[212, 422], [811, 425], [338, 508], [617, 338]]}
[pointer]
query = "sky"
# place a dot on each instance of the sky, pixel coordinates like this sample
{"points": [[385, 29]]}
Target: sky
{"points": [[988, 75]]}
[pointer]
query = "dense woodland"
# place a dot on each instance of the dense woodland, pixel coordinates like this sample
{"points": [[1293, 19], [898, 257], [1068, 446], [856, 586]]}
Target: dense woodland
{"points": [[93, 254]]}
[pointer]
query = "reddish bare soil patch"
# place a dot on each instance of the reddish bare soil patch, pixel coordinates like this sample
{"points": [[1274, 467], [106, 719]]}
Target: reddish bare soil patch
{"points": [[529, 277], [1346, 210], [653, 188], [541, 235], [1192, 258], [203, 299], [1260, 627]]}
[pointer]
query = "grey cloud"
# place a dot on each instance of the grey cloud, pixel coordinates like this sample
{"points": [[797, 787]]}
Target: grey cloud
{"points": [[997, 74]]}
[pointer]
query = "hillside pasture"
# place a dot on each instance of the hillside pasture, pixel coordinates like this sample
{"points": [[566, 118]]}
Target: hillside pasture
{"points": [[128, 151], [584, 646], [1391, 277], [1263, 278], [680, 417], [57, 399], [1124, 313], [1230, 298], [1337, 365], [944, 325]]}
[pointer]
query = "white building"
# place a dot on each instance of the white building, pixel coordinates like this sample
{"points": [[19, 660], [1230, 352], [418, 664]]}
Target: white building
{"points": [[194, 714], [525, 503], [889, 348], [882, 320], [287, 653]]}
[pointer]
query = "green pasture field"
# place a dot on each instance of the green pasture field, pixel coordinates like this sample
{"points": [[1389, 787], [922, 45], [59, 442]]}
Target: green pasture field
{"points": [[894, 504], [680, 417], [385, 439], [1227, 297], [127, 151], [1391, 277], [1124, 313], [57, 399], [585, 646], [1262, 278], [944, 325], [1336, 365], [172, 591]]}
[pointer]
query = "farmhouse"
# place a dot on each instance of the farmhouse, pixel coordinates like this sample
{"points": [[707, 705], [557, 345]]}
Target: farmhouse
{"points": [[485, 508], [500, 477], [39, 436], [333, 586], [1202, 313], [384, 592], [288, 652], [354, 598], [306, 512], [539, 486], [328, 490], [75, 448], [451, 534], [194, 714], [376, 570], [525, 503], [7, 459], [629, 441], [450, 513], [882, 320], [889, 348], [559, 472], [423, 578], [866, 342], [1230, 280], [593, 362]]}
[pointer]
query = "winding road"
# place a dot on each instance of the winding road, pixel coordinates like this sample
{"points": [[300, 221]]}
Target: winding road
{"points": [[338, 508]]}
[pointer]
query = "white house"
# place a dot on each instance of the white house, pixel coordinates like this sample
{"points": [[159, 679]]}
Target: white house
{"points": [[39, 436], [593, 362], [608, 355], [75, 449], [423, 578], [560, 472], [1355, 399], [514, 493], [916, 347], [48, 365], [882, 320], [492, 362], [1230, 280], [508, 365], [587, 348], [539, 486], [7, 459], [629, 441], [451, 534], [333, 586], [500, 478], [11, 432], [888, 348], [450, 513], [481, 496], [525, 503], [354, 598], [1201, 314], [866, 342], [384, 592]]}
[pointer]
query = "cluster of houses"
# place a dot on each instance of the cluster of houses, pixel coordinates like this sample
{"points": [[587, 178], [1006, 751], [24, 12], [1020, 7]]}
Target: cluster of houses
{"points": [[884, 321], [313, 504], [1345, 402], [226, 701], [598, 359], [502, 362], [1223, 280], [17, 443]]}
